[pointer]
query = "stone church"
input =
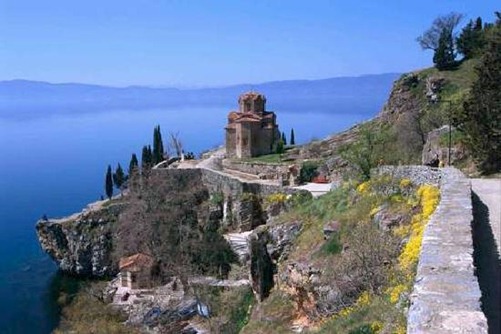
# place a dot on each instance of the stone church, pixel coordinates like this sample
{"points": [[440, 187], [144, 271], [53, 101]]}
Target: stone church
{"points": [[251, 131]]}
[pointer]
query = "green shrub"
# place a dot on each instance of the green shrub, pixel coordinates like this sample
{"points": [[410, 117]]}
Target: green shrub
{"points": [[308, 171], [332, 245]]}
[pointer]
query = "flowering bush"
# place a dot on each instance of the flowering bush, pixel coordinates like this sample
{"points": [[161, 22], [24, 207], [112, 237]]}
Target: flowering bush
{"points": [[364, 187], [428, 196]]}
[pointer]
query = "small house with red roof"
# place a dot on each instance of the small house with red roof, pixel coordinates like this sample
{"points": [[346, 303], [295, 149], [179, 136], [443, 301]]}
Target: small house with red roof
{"points": [[135, 271]]}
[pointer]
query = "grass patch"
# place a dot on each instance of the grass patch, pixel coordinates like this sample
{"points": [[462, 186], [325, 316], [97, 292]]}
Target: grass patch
{"points": [[84, 313], [378, 315], [231, 309], [332, 246], [275, 158], [273, 315]]}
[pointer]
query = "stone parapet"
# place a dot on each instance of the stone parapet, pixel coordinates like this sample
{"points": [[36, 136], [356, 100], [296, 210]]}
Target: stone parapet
{"points": [[446, 295], [267, 170]]}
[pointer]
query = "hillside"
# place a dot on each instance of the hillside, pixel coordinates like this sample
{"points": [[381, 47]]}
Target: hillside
{"points": [[419, 102]]}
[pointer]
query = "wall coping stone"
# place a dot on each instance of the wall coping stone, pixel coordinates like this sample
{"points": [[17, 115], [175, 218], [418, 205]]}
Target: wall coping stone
{"points": [[446, 295]]}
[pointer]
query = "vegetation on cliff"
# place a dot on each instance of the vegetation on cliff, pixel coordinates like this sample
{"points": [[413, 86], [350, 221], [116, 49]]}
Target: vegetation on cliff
{"points": [[174, 227], [359, 276]]}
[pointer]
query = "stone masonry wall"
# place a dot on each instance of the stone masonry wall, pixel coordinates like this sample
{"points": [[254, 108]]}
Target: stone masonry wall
{"points": [[417, 174], [242, 201], [256, 168], [446, 294]]}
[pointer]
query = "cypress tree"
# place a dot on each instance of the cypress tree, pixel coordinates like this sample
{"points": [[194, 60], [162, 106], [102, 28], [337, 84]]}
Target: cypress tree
{"points": [[109, 183], [146, 158], [293, 140], [444, 57], [284, 140], [133, 164], [158, 146], [119, 177]]}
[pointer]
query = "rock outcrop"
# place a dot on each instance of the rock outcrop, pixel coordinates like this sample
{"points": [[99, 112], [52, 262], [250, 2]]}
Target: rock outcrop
{"points": [[81, 244], [436, 148]]}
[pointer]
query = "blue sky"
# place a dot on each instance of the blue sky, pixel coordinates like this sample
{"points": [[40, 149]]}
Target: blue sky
{"points": [[211, 43]]}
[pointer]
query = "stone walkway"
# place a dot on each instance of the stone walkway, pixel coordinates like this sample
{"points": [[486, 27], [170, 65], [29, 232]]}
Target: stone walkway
{"points": [[316, 189], [489, 192], [486, 196]]}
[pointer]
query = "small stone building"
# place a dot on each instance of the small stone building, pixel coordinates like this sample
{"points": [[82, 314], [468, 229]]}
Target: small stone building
{"points": [[135, 271], [251, 131]]}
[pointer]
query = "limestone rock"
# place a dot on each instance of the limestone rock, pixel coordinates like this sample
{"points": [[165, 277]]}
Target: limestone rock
{"points": [[434, 85], [330, 228], [81, 245], [386, 220], [261, 269], [278, 238], [433, 148]]}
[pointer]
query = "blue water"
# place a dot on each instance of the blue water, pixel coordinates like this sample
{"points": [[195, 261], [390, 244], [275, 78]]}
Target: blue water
{"points": [[55, 165]]}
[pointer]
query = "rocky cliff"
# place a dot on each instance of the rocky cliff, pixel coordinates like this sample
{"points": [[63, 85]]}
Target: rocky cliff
{"points": [[81, 244]]}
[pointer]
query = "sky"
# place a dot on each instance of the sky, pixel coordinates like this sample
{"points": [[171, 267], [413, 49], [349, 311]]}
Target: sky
{"points": [[187, 43]]}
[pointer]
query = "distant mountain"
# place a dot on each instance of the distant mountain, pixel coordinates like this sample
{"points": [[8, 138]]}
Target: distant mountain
{"points": [[360, 93]]}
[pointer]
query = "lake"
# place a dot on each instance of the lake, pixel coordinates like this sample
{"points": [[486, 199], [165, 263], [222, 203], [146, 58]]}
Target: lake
{"points": [[54, 163]]}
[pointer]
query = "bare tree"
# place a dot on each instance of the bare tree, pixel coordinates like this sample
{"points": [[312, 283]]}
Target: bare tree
{"points": [[429, 40], [177, 145], [168, 218]]}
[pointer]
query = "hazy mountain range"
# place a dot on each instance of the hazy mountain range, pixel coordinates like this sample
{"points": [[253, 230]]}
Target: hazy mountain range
{"points": [[362, 93]]}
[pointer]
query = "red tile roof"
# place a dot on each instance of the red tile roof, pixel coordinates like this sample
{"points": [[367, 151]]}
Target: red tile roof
{"points": [[135, 262]]}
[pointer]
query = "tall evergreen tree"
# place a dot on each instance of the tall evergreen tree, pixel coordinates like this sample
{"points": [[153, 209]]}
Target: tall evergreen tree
{"points": [[133, 178], [471, 40], [109, 183], [119, 177], [146, 158], [133, 164], [293, 140], [158, 146], [284, 140], [481, 116], [444, 57]]}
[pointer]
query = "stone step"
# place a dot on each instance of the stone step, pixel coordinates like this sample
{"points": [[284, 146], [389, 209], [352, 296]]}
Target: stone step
{"points": [[239, 243]]}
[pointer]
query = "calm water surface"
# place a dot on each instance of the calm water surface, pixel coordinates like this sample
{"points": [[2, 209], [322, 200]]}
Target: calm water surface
{"points": [[55, 165]]}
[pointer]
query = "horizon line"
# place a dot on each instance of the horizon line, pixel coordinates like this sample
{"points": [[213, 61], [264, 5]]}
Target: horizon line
{"points": [[195, 87]]}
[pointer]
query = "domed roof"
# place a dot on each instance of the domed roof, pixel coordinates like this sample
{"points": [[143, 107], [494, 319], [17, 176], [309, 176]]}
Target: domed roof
{"points": [[232, 115], [251, 96]]}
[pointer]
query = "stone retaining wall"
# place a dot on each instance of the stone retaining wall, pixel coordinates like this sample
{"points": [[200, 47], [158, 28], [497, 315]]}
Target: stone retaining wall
{"points": [[417, 174], [446, 294], [269, 170], [241, 202]]}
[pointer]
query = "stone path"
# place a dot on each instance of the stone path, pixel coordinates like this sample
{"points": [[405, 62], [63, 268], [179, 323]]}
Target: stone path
{"points": [[316, 189], [239, 243], [486, 196], [489, 192]]}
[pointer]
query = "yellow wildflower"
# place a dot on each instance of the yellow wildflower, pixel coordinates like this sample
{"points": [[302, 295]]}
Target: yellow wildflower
{"points": [[363, 187], [404, 183]]}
